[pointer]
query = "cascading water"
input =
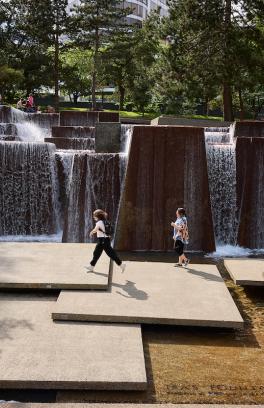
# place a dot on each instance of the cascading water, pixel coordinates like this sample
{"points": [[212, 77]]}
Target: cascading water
{"points": [[28, 189], [92, 180], [29, 132], [221, 165]]}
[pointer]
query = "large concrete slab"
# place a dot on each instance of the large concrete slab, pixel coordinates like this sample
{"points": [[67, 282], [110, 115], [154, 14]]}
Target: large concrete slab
{"points": [[156, 293], [50, 266], [246, 272], [38, 353]]}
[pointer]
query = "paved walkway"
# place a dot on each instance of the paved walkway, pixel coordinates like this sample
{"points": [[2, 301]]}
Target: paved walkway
{"points": [[46, 266], [156, 293]]}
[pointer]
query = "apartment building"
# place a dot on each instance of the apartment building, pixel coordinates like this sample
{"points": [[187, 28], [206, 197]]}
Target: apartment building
{"points": [[140, 8]]}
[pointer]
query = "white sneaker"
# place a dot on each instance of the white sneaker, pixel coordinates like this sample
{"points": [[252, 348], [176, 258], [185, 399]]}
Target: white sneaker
{"points": [[123, 267], [186, 263], [90, 268]]}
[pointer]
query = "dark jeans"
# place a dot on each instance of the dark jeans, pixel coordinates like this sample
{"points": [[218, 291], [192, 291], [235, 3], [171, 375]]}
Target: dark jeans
{"points": [[104, 244], [178, 247]]}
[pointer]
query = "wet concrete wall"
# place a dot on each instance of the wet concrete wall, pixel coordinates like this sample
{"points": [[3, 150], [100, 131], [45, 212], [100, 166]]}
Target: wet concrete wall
{"points": [[87, 118], [249, 129], [73, 131], [250, 191], [166, 170], [95, 182], [77, 143]]}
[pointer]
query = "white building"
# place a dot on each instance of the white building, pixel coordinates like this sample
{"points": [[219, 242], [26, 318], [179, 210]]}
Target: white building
{"points": [[141, 8]]}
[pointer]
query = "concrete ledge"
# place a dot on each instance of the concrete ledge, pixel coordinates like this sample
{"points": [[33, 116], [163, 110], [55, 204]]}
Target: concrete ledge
{"points": [[37, 353], [249, 128], [174, 121], [246, 272], [72, 143], [156, 293], [73, 131], [88, 118], [50, 266]]}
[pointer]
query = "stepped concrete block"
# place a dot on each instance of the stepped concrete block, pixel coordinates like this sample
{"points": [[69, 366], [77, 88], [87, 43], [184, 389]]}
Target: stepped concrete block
{"points": [[250, 192], [246, 272], [166, 169], [88, 118], [38, 353], [156, 293], [72, 143], [50, 266], [109, 117], [249, 128], [107, 137], [73, 131]]}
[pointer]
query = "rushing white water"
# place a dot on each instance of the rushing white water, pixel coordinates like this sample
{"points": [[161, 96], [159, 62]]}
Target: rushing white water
{"points": [[126, 133], [32, 238], [29, 132], [233, 251], [221, 165]]}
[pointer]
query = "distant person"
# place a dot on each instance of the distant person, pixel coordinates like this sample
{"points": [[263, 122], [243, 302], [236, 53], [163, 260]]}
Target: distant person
{"points": [[103, 231], [181, 236], [20, 104], [1, 99], [30, 100], [50, 109]]}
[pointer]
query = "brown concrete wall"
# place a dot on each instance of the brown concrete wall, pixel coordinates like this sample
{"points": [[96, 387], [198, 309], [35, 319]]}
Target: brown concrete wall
{"points": [[88, 118], [73, 131], [166, 169], [250, 191], [72, 143], [249, 128], [109, 117]]}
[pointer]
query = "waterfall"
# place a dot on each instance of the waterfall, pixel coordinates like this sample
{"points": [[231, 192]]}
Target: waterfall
{"points": [[221, 165], [126, 133], [93, 181], [28, 189], [29, 132]]}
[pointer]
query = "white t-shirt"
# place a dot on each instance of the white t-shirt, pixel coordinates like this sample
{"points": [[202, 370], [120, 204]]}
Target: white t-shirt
{"points": [[100, 225]]}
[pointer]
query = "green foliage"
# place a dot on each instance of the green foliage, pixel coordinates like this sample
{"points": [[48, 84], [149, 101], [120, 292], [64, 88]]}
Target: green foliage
{"points": [[10, 81], [76, 72], [214, 45]]}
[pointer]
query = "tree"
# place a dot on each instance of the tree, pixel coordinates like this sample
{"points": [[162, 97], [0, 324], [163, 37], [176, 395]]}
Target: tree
{"points": [[209, 40], [117, 62], [76, 73], [93, 24], [47, 23], [10, 80]]}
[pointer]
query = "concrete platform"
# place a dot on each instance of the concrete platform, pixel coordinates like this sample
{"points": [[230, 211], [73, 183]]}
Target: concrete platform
{"points": [[50, 266], [156, 293], [37, 353], [246, 272]]}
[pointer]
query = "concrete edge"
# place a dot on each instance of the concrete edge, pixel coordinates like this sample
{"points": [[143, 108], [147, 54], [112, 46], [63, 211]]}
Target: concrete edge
{"points": [[58, 286], [147, 320], [61, 385]]}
